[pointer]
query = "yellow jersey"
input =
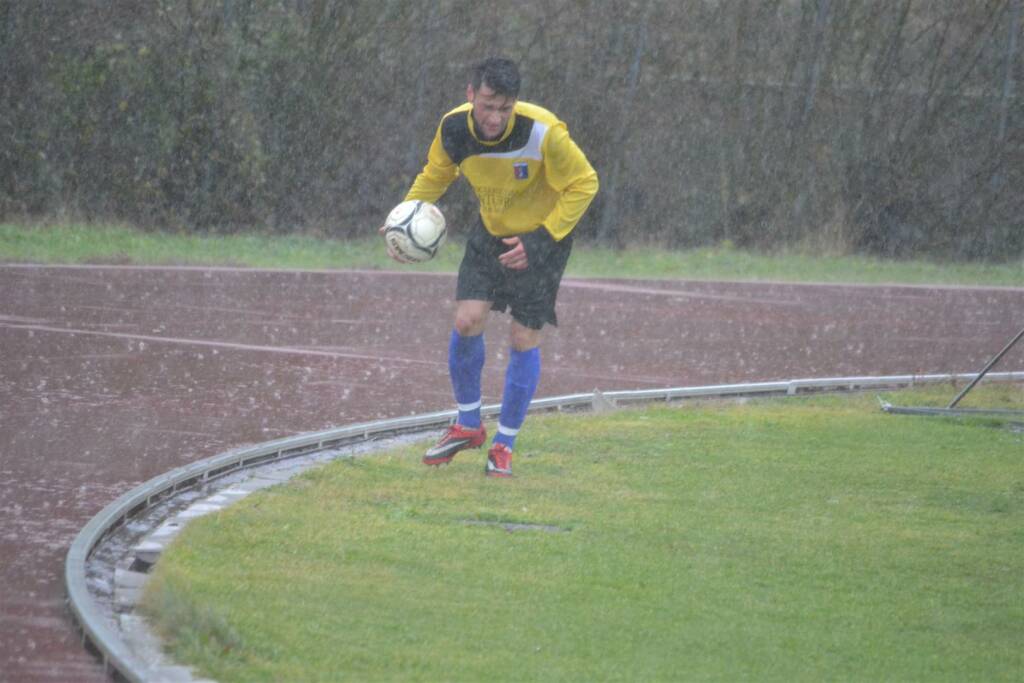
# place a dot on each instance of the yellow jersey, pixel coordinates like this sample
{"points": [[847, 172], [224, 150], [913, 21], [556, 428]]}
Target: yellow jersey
{"points": [[533, 175]]}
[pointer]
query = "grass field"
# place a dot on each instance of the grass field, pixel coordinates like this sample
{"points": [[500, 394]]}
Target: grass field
{"points": [[798, 539], [122, 245]]}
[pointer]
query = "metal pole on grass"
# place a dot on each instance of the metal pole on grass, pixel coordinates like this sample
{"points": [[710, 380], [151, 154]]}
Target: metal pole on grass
{"points": [[986, 369]]}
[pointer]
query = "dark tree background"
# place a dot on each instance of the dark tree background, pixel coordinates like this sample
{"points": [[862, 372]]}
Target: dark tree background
{"points": [[890, 127]]}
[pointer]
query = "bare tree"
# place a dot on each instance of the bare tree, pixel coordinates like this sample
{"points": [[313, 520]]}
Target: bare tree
{"points": [[885, 126]]}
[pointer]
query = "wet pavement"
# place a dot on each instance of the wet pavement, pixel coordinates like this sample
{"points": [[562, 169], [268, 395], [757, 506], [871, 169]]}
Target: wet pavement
{"points": [[112, 375]]}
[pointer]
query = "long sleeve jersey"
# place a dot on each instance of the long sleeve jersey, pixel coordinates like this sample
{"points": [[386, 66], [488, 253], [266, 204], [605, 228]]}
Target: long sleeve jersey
{"points": [[533, 175]]}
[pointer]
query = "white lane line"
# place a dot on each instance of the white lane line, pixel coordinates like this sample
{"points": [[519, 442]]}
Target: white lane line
{"points": [[289, 350], [21, 319], [675, 293]]}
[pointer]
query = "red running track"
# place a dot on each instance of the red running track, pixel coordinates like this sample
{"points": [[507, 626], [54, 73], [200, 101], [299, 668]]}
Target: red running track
{"points": [[110, 376]]}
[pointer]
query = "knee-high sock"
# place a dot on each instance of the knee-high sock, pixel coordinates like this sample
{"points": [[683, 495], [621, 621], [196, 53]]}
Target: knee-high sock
{"points": [[465, 362], [521, 380]]}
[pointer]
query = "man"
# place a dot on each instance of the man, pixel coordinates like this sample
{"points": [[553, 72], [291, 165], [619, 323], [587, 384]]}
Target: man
{"points": [[533, 184]]}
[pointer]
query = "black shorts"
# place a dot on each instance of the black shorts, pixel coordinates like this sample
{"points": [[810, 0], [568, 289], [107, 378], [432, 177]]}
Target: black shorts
{"points": [[529, 293]]}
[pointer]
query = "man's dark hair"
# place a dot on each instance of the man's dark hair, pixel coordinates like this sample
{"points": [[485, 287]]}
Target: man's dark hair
{"points": [[499, 74]]}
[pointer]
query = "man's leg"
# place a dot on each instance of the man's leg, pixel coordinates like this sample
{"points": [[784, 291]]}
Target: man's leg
{"points": [[532, 293], [521, 379], [466, 355], [465, 363]]}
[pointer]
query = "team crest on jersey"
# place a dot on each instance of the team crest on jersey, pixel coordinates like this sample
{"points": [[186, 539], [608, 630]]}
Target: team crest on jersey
{"points": [[521, 170]]}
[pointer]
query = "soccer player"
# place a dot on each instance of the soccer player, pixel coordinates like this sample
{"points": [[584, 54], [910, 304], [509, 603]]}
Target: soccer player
{"points": [[533, 184]]}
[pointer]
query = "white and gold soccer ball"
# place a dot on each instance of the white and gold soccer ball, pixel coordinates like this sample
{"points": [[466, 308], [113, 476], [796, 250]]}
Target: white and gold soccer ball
{"points": [[415, 230]]}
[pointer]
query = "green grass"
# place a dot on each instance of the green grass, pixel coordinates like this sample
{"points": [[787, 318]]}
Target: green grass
{"points": [[799, 539], [123, 245], [70, 243]]}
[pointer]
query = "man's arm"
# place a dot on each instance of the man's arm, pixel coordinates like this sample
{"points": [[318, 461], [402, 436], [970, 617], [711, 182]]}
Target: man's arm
{"points": [[436, 176], [568, 172]]}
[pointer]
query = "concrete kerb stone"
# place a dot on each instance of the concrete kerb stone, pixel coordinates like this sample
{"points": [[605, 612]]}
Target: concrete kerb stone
{"points": [[129, 649]]}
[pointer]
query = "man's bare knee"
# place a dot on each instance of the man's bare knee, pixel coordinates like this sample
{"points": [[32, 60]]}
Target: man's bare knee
{"points": [[470, 319], [524, 338], [467, 325]]}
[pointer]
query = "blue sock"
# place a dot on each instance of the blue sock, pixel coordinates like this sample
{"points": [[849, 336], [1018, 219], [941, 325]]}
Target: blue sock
{"points": [[520, 382], [465, 362]]}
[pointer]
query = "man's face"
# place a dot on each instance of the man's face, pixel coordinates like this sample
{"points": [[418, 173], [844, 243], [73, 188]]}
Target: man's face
{"points": [[490, 111]]}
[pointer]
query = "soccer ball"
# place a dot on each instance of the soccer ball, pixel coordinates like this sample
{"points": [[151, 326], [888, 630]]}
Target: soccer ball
{"points": [[415, 230]]}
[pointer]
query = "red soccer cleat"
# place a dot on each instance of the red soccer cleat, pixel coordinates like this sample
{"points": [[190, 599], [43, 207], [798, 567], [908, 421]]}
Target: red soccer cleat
{"points": [[454, 440], [499, 461]]}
